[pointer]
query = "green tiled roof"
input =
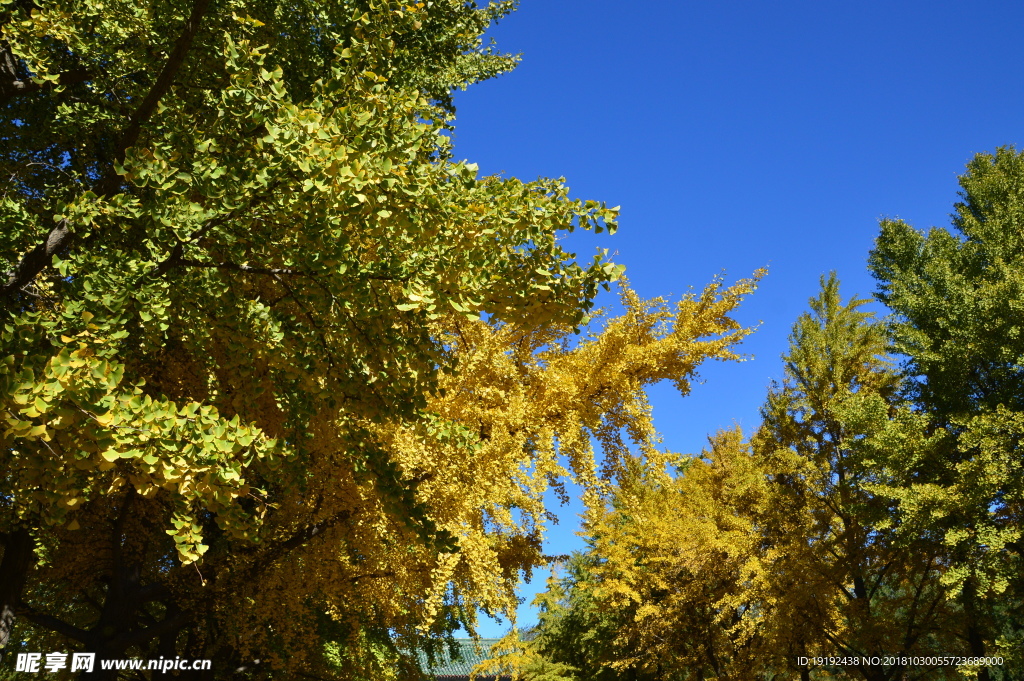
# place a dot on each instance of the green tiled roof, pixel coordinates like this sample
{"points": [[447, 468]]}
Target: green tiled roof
{"points": [[468, 654]]}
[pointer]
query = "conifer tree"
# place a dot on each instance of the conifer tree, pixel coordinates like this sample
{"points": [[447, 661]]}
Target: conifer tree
{"points": [[842, 581]]}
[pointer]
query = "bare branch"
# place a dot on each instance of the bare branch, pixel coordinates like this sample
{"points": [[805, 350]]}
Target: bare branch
{"points": [[38, 258]]}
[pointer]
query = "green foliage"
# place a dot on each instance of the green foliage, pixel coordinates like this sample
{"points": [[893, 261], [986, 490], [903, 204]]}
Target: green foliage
{"points": [[834, 439], [81, 434], [573, 638], [956, 294], [956, 297]]}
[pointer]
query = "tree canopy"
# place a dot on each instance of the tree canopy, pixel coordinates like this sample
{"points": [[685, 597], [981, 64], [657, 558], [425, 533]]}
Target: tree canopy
{"points": [[283, 383]]}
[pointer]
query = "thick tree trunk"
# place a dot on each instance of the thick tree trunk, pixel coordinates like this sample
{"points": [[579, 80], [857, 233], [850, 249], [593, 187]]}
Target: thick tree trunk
{"points": [[975, 636], [18, 557]]}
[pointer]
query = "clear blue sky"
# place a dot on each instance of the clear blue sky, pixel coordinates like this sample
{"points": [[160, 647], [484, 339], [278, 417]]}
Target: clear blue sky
{"points": [[742, 134]]}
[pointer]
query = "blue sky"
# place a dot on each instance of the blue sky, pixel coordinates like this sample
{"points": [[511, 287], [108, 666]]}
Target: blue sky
{"points": [[737, 135]]}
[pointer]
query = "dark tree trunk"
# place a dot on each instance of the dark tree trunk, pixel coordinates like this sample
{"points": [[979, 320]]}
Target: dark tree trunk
{"points": [[975, 635], [18, 558]]}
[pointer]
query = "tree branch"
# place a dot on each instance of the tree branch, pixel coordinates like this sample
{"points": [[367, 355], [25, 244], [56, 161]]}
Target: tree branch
{"points": [[301, 537], [12, 85], [37, 259], [372, 575], [174, 257], [180, 262], [53, 624], [125, 640], [160, 88], [60, 236]]}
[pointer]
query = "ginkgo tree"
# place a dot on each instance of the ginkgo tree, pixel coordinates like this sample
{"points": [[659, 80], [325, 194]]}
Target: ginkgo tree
{"points": [[735, 563], [250, 410]]}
